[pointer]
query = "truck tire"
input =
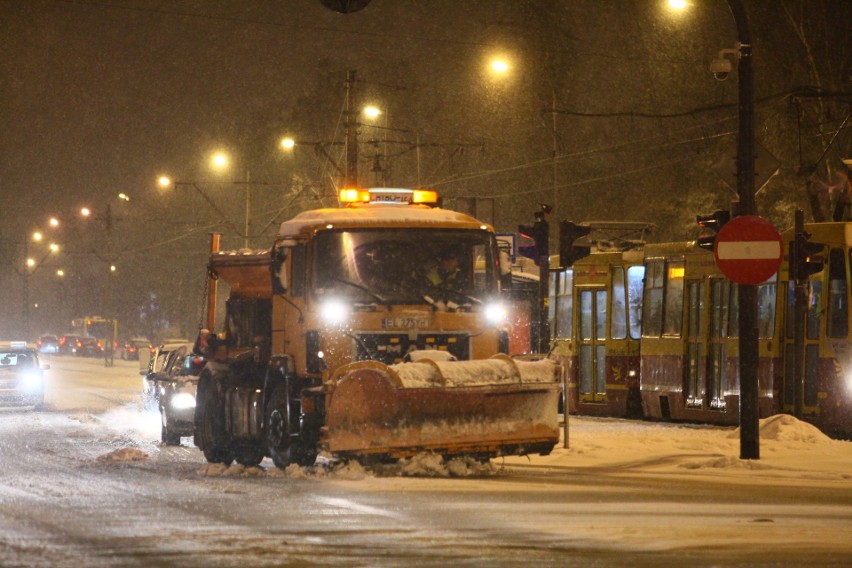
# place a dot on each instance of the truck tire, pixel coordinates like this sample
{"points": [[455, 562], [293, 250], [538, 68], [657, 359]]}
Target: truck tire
{"points": [[249, 456], [284, 447], [210, 433]]}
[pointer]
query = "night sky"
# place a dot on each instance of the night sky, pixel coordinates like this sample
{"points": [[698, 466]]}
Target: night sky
{"points": [[101, 97]]}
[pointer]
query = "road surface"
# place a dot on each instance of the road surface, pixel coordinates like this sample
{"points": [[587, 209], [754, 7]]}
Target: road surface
{"points": [[86, 483]]}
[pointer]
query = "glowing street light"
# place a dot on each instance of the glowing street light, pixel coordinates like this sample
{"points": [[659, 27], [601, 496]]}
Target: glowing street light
{"points": [[499, 66], [60, 273], [37, 236], [164, 182], [85, 211], [371, 111], [678, 4], [288, 143], [53, 222], [219, 160]]}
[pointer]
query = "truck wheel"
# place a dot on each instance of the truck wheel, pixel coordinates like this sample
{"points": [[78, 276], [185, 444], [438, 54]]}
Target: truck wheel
{"points": [[210, 434], [278, 428], [249, 456]]}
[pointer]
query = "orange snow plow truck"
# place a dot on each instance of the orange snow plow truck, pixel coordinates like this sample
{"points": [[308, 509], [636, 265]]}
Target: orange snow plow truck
{"points": [[372, 331]]}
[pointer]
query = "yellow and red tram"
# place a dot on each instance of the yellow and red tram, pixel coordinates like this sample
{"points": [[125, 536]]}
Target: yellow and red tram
{"points": [[653, 332]]}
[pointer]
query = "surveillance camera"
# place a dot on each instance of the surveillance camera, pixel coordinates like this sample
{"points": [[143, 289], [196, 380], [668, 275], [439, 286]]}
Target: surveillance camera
{"points": [[721, 68]]}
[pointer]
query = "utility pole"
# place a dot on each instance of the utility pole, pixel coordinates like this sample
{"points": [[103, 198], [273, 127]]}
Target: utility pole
{"points": [[351, 133]]}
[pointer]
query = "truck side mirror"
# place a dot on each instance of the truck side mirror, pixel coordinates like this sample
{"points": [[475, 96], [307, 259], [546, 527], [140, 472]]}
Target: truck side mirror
{"points": [[278, 269]]}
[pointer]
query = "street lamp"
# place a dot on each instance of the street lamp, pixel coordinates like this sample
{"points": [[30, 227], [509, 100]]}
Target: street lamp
{"points": [[31, 266], [107, 219]]}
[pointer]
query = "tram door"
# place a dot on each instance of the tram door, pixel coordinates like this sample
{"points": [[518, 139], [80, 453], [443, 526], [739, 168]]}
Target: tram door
{"points": [[837, 325], [720, 309], [591, 324], [696, 353]]}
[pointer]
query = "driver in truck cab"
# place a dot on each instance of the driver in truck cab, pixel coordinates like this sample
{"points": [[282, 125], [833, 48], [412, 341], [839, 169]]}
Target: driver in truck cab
{"points": [[446, 273]]}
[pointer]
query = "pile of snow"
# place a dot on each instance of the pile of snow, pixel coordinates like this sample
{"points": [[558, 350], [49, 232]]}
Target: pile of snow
{"points": [[786, 428], [494, 371], [123, 455], [425, 464]]}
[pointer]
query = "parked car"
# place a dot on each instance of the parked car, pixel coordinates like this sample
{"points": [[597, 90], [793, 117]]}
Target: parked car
{"points": [[48, 344], [177, 396], [21, 375]]}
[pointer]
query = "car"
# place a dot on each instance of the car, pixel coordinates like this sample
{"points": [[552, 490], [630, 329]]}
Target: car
{"points": [[160, 357], [21, 375], [48, 344], [88, 347], [68, 343], [132, 348], [178, 385]]}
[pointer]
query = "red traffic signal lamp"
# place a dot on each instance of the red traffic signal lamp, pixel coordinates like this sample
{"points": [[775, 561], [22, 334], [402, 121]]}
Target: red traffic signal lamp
{"points": [[569, 250], [714, 222]]}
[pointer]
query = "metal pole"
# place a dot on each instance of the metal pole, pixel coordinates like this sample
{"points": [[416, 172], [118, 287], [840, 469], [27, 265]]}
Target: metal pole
{"points": [[800, 307], [248, 209], [351, 134], [749, 392]]}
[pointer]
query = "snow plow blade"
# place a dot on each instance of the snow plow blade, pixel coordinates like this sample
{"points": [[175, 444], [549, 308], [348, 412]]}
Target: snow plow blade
{"points": [[484, 408]]}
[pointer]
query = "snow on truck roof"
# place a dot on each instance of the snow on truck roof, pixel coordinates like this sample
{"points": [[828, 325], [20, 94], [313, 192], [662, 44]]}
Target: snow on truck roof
{"points": [[378, 214]]}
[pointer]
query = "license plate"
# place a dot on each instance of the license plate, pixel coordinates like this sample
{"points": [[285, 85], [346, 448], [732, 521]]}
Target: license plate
{"points": [[405, 323]]}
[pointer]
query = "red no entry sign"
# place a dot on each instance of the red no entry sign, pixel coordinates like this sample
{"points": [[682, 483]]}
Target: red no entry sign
{"points": [[748, 250]]}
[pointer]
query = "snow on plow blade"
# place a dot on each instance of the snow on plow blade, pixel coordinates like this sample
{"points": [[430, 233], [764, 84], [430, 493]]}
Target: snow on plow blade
{"points": [[491, 407]]}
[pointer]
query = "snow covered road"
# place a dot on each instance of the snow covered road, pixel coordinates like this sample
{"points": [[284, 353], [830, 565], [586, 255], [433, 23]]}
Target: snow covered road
{"points": [[85, 483]]}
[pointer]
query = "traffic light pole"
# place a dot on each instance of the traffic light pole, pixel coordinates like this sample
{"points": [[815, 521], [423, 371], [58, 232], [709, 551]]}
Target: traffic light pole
{"points": [[800, 308], [749, 411]]}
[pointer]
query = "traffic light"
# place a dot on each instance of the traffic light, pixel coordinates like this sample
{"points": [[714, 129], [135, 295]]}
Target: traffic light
{"points": [[805, 259], [538, 232], [715, 221], [569, 250]]}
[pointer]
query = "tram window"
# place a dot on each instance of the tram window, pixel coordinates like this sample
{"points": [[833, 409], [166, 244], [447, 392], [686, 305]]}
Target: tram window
{"points": [[585, 315], [814, 309], [838, 304], [600, 314], [619, 305], [635, 277], [766, 299], [719, 315], [552, 290], [564, 304], [674, 299], [734, 313], [652, 303]]}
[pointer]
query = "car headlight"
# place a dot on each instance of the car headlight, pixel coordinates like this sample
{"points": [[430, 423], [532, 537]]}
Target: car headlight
{"points": [[183, 400], [495, 313], [334, 311], [31, 382]]}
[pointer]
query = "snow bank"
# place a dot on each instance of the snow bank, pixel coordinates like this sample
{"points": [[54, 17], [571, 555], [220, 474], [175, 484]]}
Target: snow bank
{"points": [[787, 428], [122, 455], [494, 371]]}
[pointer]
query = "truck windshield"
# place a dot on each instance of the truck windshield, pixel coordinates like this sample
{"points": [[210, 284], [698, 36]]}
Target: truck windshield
{"points": [[404, 266]]}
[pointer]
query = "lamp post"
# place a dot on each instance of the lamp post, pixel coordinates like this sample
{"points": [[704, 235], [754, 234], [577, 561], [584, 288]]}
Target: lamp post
{"points": [[748, 342], [107, 218], [31, 265]]}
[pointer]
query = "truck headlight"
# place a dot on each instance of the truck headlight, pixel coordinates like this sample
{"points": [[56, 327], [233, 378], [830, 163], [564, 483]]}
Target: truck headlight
{"points": [[334, 311], [495, 313], [183, 400]]}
